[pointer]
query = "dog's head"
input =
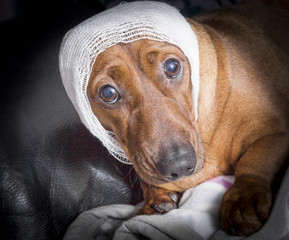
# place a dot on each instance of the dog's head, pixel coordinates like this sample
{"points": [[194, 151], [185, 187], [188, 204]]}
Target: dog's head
{"points": [[132, 73], [142, 92]]}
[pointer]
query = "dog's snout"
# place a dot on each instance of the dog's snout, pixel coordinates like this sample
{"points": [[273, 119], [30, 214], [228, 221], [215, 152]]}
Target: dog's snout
{"points": [[177, 162]]}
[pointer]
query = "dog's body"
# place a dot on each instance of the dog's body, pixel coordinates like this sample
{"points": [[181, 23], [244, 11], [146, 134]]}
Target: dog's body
{"points": [[243, 109]]}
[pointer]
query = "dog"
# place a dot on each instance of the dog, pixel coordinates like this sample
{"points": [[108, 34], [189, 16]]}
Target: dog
{"points": [[141, 91]]}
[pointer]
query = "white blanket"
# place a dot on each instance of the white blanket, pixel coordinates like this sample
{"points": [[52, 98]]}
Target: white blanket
{"points": [[197, 216]]}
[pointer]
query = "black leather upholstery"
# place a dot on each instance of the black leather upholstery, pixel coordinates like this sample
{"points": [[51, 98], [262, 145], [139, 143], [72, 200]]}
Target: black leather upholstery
{"points": [[51, 168]]}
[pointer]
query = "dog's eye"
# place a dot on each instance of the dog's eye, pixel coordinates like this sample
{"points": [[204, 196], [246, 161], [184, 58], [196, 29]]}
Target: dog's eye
{"points": [[109, 94], [172, 67]]}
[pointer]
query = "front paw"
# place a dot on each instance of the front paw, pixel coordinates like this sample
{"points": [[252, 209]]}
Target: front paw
{"points": [[245, 207], [160, 203]]}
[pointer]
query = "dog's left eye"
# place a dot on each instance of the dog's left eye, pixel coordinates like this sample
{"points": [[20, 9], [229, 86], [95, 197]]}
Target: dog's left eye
{"points": [[109, 94], [172, 67]]}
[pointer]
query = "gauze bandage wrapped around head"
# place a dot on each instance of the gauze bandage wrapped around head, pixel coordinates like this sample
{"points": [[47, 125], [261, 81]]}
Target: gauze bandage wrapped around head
{"points": [[125, 23]]}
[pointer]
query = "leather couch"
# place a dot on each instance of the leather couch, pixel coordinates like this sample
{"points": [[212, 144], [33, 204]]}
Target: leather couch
{"points": [[51, 167]]}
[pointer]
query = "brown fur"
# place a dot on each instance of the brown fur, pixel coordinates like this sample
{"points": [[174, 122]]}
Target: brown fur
{"points": [[243, 120]]}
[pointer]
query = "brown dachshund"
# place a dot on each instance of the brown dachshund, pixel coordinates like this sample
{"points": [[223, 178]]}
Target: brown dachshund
{"points": [[143, 93]]}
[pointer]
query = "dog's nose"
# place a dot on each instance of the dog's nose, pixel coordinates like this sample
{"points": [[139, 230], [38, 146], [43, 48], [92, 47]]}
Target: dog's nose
{"points": [[177, 162]]}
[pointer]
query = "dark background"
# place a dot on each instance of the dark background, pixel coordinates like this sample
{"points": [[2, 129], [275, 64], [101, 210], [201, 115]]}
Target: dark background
{"points": [[51, 167], [25, 24]]}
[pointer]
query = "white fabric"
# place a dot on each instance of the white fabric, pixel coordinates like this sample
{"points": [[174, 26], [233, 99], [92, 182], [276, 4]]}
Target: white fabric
{"points": [[199, 206], [125, 23], [197, 215]]}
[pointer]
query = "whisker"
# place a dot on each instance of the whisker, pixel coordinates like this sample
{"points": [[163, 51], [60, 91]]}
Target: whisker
{"points": [[136, 178]]}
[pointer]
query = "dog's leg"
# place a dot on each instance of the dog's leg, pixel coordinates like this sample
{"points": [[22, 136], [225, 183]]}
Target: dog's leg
{"points": [[246, 205], [158, 200]]}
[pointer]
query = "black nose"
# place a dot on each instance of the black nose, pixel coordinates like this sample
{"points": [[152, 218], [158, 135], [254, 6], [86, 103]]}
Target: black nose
{"points": [[177, 162]]}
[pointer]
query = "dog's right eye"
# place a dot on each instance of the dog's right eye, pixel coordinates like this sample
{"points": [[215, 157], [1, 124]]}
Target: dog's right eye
{"points": [[172, 68], [109, 94]]}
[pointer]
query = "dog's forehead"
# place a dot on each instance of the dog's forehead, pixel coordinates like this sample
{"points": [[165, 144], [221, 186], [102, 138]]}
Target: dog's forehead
{"points": [[138, 49], [112, 60]]}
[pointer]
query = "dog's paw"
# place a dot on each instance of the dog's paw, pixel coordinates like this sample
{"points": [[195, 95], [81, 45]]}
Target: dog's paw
{"points": [[245, 208], [160, 203]]}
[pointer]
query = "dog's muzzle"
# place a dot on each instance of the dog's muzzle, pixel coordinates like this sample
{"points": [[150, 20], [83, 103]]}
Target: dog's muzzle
{"points": [[177, 162]]}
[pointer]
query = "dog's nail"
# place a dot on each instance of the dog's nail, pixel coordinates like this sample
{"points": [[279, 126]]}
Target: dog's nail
{"points": [[158, 208], [164, 207], [173, 197]]}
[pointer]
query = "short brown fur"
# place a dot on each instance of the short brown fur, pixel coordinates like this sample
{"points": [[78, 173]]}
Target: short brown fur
{"points": [[243, 121]]}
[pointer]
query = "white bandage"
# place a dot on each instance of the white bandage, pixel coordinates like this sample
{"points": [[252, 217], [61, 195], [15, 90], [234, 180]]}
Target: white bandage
{"points": [[125, 23]]}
